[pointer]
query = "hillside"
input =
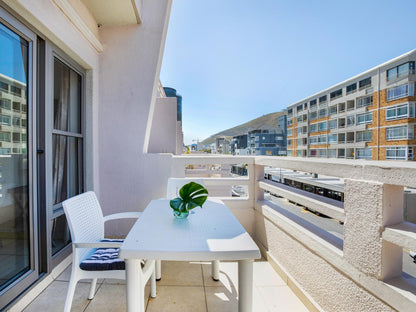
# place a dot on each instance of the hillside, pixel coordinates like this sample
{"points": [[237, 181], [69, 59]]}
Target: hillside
{"points": [[269, 119]]}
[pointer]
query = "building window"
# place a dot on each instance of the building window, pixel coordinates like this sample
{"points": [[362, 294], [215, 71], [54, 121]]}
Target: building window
{"points": [[322, 126], [290, 122], [322, 113], [313, 127], [333, 110], [16, 137], [399, 133], [317, 139], [5, 103], [401, 91], [289, 153], [401, 70], [322, 99], [16, 121], [400, 111], [4, 86], [365, 101], [313, 115], [333, 124], [399, 153], [5, 120], [16, 90], [364, 118], [289, 132], [332, 138], [332, 153], [4, 136], [341, 107], [289, 142], [364, 83], [302, 118], [351, 88], [317, 153], [336, 94], [312, 104], [364, 153], [350, 121], [364, 136]]}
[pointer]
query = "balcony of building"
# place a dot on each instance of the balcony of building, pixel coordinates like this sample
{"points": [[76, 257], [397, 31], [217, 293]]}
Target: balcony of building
{"points": [[365, 260]]}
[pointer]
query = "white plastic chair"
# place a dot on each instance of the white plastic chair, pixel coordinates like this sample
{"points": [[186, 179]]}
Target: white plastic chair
{"points": [[172, 191], [86, 223]]}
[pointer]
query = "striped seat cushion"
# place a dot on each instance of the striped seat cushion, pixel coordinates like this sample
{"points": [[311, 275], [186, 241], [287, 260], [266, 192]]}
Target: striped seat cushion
{"points": [[104, 259]]}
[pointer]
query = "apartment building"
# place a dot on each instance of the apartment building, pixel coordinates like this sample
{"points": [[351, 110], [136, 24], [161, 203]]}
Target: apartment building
{"points": [[266, 141], [13, 117], [369, 116]]}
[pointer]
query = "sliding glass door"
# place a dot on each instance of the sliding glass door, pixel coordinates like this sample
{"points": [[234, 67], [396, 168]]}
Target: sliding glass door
{"points": [[67, 147], [18, 261]]}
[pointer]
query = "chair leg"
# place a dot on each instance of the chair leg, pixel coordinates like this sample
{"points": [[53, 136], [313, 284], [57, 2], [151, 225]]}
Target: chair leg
{"points": [[70, 294], [158, 270], [153, 284], [215, 270], [92, 288]]}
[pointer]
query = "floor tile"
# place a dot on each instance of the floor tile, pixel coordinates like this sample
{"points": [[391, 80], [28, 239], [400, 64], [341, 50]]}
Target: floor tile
{"points": [[53, 298], [221, 299], [109, 298], [181, 273], [280, 299], [264, 275], [178, 298]]}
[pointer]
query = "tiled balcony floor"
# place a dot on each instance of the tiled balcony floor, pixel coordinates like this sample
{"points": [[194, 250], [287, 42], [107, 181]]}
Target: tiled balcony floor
{"points": [[185, 286]]}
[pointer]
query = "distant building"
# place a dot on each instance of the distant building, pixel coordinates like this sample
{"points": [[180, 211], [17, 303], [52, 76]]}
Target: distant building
{"points": [[166, 135], [222, 145], [238, 145], [266, 141], [368, 116], [282, 124]]}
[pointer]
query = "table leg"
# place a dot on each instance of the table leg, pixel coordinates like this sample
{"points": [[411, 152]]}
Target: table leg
{"points": [[215, 270], [245, 285], [135, 289]]}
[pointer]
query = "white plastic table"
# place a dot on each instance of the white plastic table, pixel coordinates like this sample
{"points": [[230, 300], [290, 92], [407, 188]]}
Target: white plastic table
{"points": [[209, 233]]}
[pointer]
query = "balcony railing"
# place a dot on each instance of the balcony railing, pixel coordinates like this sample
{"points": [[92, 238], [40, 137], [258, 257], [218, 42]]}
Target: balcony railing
{"points": [[367, 260]]}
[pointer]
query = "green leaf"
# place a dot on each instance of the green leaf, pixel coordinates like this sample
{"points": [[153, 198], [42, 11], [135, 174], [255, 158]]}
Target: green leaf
{"points": [[192, 195]]}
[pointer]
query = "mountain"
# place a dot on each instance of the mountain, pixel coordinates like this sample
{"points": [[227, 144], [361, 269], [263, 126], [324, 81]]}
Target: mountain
{"points": [[269, 120]]}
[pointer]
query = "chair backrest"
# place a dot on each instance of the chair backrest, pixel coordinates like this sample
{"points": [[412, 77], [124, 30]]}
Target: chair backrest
{"points": [[175, 184], [85, 218]]}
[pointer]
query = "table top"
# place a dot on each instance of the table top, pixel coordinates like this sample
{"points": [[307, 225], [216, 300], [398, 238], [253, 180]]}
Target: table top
{"points": [[209, 233]]}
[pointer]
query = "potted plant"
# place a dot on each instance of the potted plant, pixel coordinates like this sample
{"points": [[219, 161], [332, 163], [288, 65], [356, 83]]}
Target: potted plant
{"points": [[191, 195]]}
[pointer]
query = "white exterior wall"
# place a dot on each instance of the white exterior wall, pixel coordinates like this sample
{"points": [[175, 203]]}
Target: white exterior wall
{"points": [[129, 75], [164, 134]]}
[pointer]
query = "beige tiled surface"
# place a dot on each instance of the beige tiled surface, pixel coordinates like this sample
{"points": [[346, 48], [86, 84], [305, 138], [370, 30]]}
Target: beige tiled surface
{"points": [[185, 286]]}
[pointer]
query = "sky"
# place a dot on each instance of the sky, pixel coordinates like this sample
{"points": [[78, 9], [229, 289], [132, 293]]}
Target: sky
{"points": [[236, 60]]}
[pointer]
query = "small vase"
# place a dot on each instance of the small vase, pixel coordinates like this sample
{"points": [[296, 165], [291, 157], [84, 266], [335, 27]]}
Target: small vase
{"points": [[180, 215]]}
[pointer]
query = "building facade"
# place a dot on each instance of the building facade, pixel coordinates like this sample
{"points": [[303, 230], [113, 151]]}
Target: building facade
{"points": [[238, 145], [166, 135], [369, 116], [266, 141]]}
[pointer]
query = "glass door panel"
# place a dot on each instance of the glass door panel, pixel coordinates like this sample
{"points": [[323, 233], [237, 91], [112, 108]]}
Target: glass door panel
{"points": [[67, 140], [15, 240]]}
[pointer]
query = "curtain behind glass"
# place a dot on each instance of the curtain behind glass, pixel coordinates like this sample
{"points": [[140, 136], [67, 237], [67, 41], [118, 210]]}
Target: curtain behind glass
{"points": [[59, 143]]}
